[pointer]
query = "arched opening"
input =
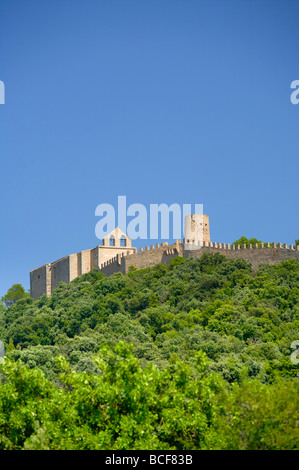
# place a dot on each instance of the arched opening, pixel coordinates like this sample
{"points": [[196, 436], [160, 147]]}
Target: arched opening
{"points": [[112, 241], [123, 241]]}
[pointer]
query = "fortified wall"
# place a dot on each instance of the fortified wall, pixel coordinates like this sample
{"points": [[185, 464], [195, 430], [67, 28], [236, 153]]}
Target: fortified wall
{"points": [[45, 279], [145, 258], [117, 255], [152, 255], [272, 253]]}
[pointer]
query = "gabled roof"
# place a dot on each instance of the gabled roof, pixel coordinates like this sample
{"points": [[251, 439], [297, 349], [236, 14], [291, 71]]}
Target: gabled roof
{"points": [[117, 233]]}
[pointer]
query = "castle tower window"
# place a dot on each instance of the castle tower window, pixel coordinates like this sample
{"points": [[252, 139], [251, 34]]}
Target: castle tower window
{"points": [[123, 241], [112, 241]]}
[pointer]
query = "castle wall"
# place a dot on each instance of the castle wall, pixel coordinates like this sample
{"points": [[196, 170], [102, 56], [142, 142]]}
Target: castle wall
{"points": [[110, 260], [108, 252], [94, 258], [145, 258], [46, 278], [150, 256], [60, 272], [40, 281], [102, 254], [73, 267], [114, 265], [253, 254], [84, 262]]}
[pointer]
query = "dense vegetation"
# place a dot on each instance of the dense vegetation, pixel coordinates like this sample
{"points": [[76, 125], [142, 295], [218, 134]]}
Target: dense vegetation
{"points": [[195, 355]]}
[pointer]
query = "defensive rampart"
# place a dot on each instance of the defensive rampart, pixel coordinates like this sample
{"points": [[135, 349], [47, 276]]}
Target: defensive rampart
{"points": [[145, 258], [268, 253], [45, 279]]}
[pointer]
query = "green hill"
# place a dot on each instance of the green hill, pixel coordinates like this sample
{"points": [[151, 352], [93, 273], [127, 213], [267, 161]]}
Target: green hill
{"points": [[195, 355]]}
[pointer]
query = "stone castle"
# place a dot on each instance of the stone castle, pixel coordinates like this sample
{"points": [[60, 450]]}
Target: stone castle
{"points": [[116, 254]]}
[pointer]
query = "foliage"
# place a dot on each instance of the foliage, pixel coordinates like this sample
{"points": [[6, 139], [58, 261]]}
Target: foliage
{"points": [[244, 241], [14, 293], [95, 366], [125, 406]]}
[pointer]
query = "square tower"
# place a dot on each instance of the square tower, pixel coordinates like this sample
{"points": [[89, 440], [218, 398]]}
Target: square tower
{"points": [[197, 229]]}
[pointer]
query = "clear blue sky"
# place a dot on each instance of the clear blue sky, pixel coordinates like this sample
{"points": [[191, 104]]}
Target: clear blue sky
{"points": [[159, 100]]}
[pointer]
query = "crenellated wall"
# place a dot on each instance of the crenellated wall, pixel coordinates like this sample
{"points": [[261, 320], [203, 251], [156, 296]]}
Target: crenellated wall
{"points": [[145, 258], [152, 255], [46, 278], [256, 255]]}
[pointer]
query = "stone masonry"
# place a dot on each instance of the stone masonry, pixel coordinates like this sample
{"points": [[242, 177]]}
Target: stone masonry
{"points": [[45, 279], [116, 254], [164, 253]]}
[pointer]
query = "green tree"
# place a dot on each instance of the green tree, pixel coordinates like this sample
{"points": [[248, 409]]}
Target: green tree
{"points": [[14, 293], [245, 241]]}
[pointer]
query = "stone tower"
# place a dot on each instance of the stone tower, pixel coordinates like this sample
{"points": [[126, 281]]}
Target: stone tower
{"points": [[197, 229]]}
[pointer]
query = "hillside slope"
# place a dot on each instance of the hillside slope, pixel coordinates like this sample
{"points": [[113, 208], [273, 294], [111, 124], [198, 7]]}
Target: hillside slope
{"points": [[210, 314]]}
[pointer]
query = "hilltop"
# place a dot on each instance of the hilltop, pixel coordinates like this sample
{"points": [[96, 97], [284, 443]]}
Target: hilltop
{"points": [[242, 322]]}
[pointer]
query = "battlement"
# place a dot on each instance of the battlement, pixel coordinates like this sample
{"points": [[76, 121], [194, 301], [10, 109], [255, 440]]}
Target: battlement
{"points": [[257, 254], [226, 246], [45, 279], [116, 254], [146, 257]]}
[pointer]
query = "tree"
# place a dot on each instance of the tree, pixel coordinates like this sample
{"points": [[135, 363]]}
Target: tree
{"points": [[245, 241], [14, 293]]}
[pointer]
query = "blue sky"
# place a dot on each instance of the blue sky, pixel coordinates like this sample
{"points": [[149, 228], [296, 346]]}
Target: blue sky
{"points": [[163, 101]]}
